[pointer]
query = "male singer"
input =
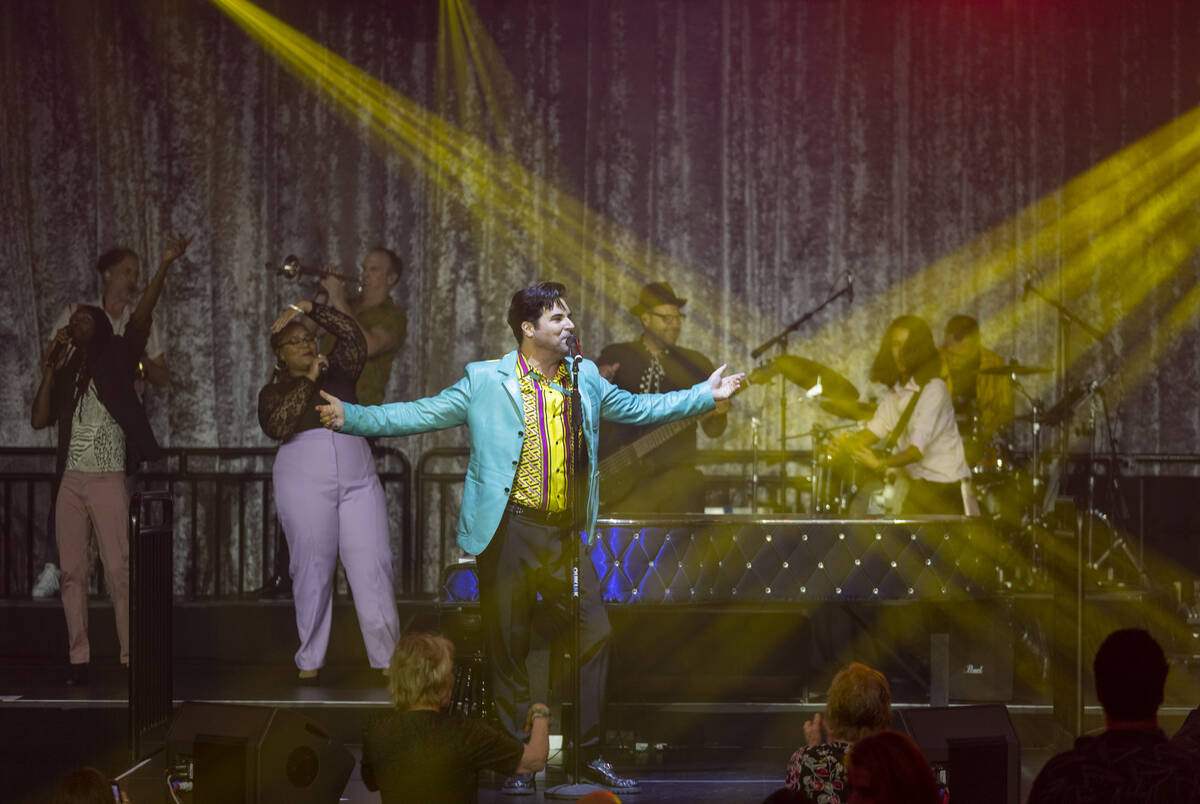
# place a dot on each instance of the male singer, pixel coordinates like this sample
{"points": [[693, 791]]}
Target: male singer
{"points": [[516, 504]]}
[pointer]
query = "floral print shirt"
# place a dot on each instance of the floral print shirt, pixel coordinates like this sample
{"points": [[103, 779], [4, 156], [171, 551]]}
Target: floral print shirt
{"points": [[820, 772]]}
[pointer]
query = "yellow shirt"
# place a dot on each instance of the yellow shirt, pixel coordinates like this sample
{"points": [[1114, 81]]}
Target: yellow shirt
{"points": [[542, 481]]}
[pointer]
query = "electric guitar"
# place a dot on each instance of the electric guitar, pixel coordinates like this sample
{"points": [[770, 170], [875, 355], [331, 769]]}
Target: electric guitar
{"points": [[622, 470], [871, 492]]}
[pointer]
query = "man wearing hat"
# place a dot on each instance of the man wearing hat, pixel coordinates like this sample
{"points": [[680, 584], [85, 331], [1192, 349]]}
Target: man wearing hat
{"points": [[666, 479]]}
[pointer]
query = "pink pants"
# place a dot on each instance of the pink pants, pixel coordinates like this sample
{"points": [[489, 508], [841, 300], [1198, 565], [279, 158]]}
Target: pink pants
{"points": [[87, 500], [331, 505]]}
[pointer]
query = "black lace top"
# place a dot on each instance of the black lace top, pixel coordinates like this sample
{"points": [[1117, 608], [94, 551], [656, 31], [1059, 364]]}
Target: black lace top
{"points": [[288, 405]]}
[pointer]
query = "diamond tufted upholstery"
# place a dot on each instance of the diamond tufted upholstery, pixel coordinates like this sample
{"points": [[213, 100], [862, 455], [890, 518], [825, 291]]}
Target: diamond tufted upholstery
{"points": [[746, 559]]}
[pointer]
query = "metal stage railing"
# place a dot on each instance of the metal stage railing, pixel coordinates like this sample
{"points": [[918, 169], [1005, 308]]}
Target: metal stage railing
{"points": [[151, 562], [226, 532]]}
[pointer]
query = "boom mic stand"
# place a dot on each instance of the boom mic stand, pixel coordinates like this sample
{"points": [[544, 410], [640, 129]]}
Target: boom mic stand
{"points": [[575, 787], [780, 340]]}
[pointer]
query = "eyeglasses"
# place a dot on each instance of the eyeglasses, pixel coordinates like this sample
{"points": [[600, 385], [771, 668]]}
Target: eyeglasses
{"points": [[298, 341], [672, 319]]}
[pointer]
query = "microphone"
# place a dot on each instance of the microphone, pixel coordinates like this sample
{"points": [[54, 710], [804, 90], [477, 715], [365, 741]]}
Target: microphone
{"points": [[322, 367], [1028, 286], [573, 346], [850, 285], [58, 351]]}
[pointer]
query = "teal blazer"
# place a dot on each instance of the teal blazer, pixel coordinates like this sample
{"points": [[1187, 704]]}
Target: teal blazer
{"points": [[488, 400]]}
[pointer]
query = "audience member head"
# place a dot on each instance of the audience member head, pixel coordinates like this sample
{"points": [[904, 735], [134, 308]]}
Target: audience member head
{"points": [[84, 786], [786, 795], [599, 797], [860, 703], [422, 672], [889, 768], [1131, 674]]}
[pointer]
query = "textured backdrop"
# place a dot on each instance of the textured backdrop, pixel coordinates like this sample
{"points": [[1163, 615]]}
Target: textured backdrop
{"points": [[766, 146]]}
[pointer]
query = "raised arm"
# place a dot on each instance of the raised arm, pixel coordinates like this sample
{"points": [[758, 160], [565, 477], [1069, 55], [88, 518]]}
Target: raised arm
{"points": [[350, 347], [141, 315]]}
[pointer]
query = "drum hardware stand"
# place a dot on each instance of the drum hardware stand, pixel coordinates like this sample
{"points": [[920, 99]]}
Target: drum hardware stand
{"points": [[821, 484], [1118, 541], [780, 340], [1035, 514], [755, 424]]}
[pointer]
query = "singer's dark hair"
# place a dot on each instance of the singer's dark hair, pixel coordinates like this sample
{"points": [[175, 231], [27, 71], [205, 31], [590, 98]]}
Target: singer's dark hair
{"points": [[921, 357], [110, 258], [529, 303]]}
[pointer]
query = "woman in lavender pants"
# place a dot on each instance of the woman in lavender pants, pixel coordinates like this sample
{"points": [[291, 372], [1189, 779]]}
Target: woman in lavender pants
{"points": [[327, 494]]}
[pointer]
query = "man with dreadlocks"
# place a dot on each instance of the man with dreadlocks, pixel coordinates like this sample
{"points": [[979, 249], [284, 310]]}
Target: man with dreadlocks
{"points": [[87, 389]]}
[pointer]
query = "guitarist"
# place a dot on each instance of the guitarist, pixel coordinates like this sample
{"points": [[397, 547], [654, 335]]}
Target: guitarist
{"points": [[667, 480], [915, 421]]}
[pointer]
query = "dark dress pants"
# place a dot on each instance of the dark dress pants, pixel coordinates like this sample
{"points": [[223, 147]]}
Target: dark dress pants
{"points": [[526, 557]]}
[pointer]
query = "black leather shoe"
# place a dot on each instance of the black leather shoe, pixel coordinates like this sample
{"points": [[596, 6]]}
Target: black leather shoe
{"points": [[77, 675], [600, 772], [278, 588], [519, 784]]}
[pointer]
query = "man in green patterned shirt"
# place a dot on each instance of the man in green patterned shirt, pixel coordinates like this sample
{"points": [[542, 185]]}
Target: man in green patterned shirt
{"points": [[383, 322]]}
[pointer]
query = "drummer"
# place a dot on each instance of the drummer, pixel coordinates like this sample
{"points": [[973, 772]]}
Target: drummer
{"points": [[983, 399]]}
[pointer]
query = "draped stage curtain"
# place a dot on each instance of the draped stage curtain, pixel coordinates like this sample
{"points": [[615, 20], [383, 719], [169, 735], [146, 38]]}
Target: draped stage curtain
{"points": [[753, 151]]}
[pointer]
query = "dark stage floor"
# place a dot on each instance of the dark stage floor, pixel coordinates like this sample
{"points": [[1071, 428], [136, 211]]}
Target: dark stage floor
{"points": [[39, 712], [682, 744]]}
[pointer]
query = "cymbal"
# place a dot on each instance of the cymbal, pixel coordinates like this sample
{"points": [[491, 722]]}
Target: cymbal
{"points": [[849, 409], [806, 373], [1015, 368]]}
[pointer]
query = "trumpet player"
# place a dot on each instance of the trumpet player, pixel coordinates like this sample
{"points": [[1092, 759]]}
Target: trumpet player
{"points": [[382, 321]]}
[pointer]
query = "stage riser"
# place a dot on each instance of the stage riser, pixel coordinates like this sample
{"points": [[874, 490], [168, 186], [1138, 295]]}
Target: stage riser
{"points": [[660, 654]]}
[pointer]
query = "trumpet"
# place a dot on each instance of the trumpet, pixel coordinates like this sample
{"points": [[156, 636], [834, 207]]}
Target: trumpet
{"points": [[292, 268]]}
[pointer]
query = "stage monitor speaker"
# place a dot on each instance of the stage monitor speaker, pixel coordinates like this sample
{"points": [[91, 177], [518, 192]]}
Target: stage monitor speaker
{"points": [[977, 746], [257, 755]]}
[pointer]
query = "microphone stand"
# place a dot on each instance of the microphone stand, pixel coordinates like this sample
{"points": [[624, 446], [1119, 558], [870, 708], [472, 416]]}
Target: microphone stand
{"points": [[575, 787], [780, 340]]}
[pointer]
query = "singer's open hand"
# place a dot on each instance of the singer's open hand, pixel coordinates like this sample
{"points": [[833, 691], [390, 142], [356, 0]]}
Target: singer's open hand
{"points": [[333, 415], [289, 313], [724, 387]]}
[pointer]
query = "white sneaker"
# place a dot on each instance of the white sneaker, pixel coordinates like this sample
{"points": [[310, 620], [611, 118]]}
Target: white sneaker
{"points": [[47, 583]]}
